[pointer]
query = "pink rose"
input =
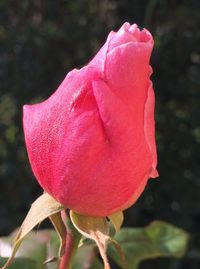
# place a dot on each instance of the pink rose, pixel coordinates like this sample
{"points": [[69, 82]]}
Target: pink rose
{"points": [[91, 144]]}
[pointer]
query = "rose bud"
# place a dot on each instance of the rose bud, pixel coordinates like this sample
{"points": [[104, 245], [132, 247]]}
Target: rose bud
{"points": [[91, 144]]}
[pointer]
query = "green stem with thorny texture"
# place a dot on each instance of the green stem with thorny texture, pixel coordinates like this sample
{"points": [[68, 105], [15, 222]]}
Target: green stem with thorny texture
{"points": [[72, 240]]}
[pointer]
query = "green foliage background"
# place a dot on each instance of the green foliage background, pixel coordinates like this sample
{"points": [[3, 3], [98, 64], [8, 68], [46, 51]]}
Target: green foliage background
{"points": [[40, 41]]}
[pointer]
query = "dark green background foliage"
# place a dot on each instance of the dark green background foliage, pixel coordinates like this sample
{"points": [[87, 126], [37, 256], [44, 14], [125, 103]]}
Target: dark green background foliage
{"points": [[40, 41]]}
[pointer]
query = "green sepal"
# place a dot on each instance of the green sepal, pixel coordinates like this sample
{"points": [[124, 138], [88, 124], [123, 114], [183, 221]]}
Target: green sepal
{"points": [[44, 207]]}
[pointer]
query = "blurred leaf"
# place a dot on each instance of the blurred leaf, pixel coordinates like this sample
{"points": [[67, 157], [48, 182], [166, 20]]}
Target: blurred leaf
{"points": [[19, 263], [44, 245], [41, 246], [159, 239], [35, 216], [37, 247], [86, 258]]}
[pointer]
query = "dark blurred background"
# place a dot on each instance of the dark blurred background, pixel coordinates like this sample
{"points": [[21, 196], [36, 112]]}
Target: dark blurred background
{"points": [[40, 41]]}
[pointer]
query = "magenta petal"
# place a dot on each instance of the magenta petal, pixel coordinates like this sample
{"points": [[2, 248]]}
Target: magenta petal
{"points": [[91, 144], [126, 140], [149, 128]]}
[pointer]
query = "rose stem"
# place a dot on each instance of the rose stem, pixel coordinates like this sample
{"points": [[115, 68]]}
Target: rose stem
{"points": [[72, 240]]}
